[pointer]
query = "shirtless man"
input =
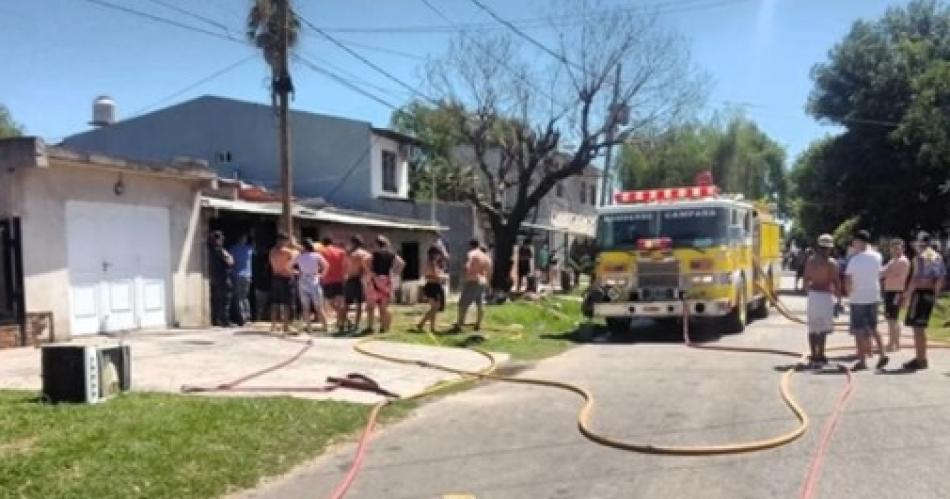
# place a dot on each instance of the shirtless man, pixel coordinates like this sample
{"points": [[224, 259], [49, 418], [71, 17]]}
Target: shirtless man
{"points": [[477, 270], [281, 258], [823, 285], [357, 276]]}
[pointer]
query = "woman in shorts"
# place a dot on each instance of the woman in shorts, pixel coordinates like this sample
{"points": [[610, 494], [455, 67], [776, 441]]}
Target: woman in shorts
{"points": [[433, 292], [927, 277]]}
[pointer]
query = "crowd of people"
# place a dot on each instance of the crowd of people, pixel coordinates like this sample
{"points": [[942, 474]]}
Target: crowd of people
{"points": [[910, 284], [323, 281]]}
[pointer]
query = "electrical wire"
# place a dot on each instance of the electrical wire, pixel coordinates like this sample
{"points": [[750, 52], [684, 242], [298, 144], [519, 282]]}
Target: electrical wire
{"points": [[529, 38], [365, 61], [342, 81], [163, 20], [191, 86], [193, 15]]}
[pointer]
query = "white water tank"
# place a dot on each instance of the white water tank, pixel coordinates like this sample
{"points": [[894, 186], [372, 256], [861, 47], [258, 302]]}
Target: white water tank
{"points": [[103, 111]]}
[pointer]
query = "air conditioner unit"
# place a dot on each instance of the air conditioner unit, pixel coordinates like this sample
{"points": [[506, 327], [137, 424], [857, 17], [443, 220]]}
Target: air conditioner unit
{"points": [[85, 374]]}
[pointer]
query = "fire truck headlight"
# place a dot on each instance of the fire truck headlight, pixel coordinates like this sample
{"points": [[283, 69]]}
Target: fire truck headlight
{"points": [[699, 279], [621, 282]]}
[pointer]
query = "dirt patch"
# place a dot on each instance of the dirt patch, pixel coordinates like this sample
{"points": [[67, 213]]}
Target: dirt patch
{"points": [[17, 447]]}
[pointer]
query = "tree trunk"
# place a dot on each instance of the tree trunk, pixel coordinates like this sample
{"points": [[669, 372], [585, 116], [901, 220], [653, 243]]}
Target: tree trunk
{"points": [[505, 238]]}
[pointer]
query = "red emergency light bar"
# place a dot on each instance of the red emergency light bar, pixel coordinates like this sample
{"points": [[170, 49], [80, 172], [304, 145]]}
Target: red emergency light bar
{"points": [[666, 194], [659, 243]]}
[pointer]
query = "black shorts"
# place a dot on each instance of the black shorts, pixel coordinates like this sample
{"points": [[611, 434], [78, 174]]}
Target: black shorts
{"points": [[281, 290], [434, 291], [353, 291], [524, 268], [332, 290], [919, 310], [892, 304]]}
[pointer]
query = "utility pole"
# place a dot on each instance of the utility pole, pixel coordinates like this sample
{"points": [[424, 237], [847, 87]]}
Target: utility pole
{"points": [[432, 196], [616, 116], [284, 86]]}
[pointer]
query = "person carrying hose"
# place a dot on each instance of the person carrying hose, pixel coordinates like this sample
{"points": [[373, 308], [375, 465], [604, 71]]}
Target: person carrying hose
{"points": [[927, 277], [823, 286]]}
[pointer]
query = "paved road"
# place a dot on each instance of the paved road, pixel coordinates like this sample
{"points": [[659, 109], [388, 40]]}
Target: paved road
{"points": [[510, 441]]}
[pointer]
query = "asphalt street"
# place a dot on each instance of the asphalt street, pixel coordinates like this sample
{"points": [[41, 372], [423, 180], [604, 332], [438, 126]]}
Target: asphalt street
{"points": [[512, 441]]}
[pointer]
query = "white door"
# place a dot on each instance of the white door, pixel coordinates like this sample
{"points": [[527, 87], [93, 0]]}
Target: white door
{"points": [[118, 266]]}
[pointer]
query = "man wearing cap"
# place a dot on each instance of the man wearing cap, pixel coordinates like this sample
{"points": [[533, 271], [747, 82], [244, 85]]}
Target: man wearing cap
{"points": [[927, 276], [862, 281], [823, 286]]}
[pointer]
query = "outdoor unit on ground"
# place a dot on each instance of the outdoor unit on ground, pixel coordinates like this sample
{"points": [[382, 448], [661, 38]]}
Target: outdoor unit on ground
{"points": [[85, 374]]}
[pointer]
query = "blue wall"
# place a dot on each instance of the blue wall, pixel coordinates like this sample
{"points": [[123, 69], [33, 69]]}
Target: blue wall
{"points": [[324, 148]]}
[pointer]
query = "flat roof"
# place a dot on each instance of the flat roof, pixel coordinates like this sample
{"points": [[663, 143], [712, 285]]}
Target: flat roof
{"points": [[324, 214]]}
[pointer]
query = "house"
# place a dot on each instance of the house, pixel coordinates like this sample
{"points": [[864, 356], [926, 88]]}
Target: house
{"points": [[343, 162], [97, 244]]}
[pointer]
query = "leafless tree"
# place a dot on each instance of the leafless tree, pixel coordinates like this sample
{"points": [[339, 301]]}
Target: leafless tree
{"points": [[525, 127]]}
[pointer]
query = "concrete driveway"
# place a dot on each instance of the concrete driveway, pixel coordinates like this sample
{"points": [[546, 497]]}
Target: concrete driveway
{"points": [[165, 360], [514, 441]]}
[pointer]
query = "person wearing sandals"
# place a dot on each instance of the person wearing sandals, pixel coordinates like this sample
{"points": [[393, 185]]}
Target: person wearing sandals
{"points": [[927, 276], [894, 278], [823, 285], [433, 292]]}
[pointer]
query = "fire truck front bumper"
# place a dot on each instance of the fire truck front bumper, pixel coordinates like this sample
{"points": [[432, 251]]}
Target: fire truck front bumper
{"points": [[662, 309]]}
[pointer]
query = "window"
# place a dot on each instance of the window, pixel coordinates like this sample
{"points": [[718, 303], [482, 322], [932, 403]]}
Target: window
{"points": [[224, 156], [593, 194], [389, 172], [583, 193], [559, 190]]}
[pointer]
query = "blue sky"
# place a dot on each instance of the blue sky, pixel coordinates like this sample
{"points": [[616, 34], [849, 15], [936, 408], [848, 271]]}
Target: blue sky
{"points": [[60, 54]]}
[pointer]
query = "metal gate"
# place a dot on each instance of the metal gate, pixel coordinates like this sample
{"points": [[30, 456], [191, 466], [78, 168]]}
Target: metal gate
{"points": [[12, 297]]}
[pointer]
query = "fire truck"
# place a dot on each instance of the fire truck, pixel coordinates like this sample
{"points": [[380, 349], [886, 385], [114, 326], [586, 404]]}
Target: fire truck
{"points": [[660, 250]]}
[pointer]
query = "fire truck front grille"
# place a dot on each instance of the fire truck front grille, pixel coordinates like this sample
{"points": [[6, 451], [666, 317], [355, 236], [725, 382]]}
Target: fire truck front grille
{"points": [[658, 275]]}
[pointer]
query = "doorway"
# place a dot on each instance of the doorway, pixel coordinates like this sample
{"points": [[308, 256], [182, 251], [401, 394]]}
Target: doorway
{"points": [[410, 254], [12, 297]]}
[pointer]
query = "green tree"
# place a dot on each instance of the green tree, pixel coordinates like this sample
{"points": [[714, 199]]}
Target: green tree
{"points": [[742, 158], [887, 84], [8, 127]]}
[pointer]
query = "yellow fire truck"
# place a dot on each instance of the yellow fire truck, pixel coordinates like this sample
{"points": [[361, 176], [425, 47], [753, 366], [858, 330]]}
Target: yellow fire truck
{"points": [[662, 249]]}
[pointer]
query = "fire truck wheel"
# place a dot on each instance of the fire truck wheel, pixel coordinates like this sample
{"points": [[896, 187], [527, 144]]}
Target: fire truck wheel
{"points": [[618, 326], [736, 320]]}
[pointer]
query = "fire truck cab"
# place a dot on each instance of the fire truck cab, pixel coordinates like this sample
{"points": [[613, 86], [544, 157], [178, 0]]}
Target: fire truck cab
{"points": [[661, 250]]}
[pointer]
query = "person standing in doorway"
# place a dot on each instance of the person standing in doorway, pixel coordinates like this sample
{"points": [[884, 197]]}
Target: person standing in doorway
{"points": [[312, 268], [863, 275], [895, 280], [242, 273], [281, 258], [354, 287], [221, 284], [332, 282], [474, 282], [927, 278], [433, 292], [384, 265], [823, 285], [542, 262], [525, 254]]}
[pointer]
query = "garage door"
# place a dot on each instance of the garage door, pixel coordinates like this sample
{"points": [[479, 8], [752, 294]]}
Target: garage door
{"points": [[118, 259]]}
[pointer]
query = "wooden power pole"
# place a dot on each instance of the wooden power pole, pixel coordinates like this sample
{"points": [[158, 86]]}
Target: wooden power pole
{"points": [[284, 87]]}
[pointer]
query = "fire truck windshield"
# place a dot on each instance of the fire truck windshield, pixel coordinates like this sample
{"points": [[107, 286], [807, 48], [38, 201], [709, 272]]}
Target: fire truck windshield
{"points": [[686, 227]]}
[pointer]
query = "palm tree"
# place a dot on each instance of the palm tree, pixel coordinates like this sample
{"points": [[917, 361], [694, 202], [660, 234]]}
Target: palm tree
{"points": [[273, 27]]}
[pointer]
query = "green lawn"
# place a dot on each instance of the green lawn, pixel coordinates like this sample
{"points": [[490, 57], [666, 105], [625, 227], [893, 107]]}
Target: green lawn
{"points": [[169, 446], [526, 330], [939, 321]]}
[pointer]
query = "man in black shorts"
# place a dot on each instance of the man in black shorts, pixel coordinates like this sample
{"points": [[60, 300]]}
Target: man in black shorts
{"points": [[357, 271], [926, 281]]}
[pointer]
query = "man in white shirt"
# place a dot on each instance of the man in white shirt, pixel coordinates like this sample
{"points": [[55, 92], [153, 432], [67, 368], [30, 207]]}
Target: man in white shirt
{"points": [[864, 289]]}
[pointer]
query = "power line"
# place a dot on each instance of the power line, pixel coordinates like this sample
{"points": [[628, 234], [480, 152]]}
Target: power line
{"points": [[351, 169], [193, 15], [196, 84], [526, 36], [364, 60], [342, 81], [163, 20]]}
